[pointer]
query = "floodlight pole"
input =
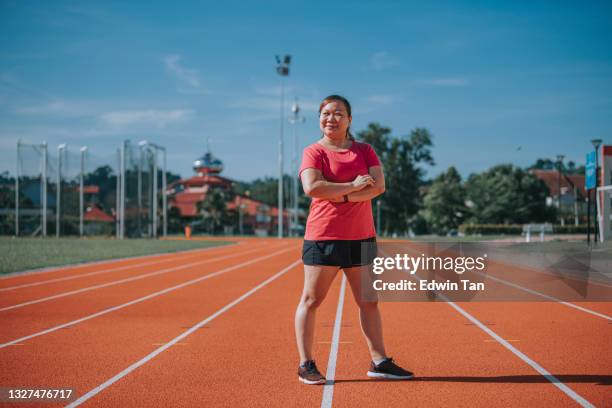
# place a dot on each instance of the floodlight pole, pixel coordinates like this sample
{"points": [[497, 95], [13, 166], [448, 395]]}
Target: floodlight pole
{"points": [[44, 190], [58, 204], [282, 69], [560, 158], [81, 193], [17, 191]]}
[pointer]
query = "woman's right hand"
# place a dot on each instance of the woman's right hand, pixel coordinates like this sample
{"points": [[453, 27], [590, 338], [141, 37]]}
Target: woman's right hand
{"points": [[362, 182]]}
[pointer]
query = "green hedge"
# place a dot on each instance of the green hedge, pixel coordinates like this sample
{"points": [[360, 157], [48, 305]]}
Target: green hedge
{"points": [[490, 229], [570, 229], [515, 229]]}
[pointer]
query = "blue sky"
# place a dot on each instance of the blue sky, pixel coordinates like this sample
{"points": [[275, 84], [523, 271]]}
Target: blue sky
{"points": [[494, 82]]}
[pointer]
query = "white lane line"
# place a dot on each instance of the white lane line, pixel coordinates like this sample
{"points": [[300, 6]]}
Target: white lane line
{"points": [[103, 271], [130, 279], [330, 374], [177, 339], [552, 298], [545, 373], [61, 268], [536, 293], [141, 299]]}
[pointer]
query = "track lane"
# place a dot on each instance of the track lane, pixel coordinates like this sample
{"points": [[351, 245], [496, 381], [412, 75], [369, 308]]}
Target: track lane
{"points": [[568, 341], [34, 277], [570, 344], [453, 364], [247, 358], [88, 354], [35, 318], [38, 294]]}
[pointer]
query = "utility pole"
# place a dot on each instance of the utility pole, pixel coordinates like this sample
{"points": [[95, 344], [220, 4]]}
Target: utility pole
{"points": [[293, 221], [282, 68]]}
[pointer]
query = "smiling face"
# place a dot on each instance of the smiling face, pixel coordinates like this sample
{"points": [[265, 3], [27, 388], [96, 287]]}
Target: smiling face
{"points": [[334, 120]]}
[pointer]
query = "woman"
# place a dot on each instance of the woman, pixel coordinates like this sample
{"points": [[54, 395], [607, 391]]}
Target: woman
{"points": [[341, 176]]}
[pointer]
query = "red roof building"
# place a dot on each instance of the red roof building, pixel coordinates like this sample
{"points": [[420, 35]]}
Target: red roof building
{"points": [[254, 217], [567, 182], [95, 214]]}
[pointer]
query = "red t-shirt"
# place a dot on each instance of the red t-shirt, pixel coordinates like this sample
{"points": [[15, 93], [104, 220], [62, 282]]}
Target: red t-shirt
{"points": [[347, 221]]}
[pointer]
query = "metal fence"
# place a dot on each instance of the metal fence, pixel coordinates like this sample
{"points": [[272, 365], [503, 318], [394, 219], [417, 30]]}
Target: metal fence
{"points": [[74, 192]]}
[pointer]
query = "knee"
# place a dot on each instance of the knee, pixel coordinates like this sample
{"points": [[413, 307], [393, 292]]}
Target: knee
{"points": [[311, 301]]}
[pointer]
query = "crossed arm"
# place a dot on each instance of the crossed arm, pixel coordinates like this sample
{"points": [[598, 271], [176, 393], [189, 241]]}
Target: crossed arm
{"points": [[363, 188]]}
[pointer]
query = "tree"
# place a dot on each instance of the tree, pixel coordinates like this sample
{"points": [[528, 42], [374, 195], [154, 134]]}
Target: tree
{"points": [[445, 202], [213, 210], [548, 164], [505, 194], [403, 176]]}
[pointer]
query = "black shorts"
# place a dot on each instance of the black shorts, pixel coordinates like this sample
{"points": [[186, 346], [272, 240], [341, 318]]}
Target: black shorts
{"points": [[340, 253]]}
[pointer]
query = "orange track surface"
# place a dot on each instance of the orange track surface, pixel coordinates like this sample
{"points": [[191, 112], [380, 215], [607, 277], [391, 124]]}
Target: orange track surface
{"points": [[246, 355]]}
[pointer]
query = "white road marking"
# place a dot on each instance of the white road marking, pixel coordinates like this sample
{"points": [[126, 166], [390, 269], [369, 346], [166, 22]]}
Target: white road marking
{"points": [[61, 268], [177, 339], [120, 281], [535, 292], [330, 374], [103, 271], [545, 373], [141, 299]]}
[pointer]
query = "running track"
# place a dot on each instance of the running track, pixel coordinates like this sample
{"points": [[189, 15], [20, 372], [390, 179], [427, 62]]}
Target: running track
{"points": [[214, 327]]}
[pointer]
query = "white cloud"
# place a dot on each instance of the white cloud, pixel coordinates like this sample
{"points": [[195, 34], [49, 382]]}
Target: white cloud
{"points": [[56, 107], [188, 76], [158, 118], [382, 60], [444, 82]]}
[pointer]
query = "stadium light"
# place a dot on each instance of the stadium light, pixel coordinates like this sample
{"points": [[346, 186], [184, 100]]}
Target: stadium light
{"points": [[282, 68]]}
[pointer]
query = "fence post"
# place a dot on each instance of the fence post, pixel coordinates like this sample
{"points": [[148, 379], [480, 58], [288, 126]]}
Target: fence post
{"points": [[44, 190], [58, 204], [123, 183], [117, 194], [17, 192], [81, 193]]}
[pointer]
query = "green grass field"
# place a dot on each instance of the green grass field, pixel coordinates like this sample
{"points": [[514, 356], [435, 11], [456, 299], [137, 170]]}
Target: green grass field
{"points": [[20, 254]]}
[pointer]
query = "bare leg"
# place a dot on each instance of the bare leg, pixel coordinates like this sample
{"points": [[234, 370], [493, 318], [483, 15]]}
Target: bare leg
{"points": [[369, 315], [317, 281]]}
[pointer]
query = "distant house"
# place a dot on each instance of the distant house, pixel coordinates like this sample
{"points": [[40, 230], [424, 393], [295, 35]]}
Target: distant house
{"points": [[185, 195], [572, 185], [567, 192]]}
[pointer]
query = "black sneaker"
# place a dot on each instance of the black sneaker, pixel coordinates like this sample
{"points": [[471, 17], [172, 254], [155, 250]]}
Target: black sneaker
{"points": [[389, 370], [309, 374]]}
